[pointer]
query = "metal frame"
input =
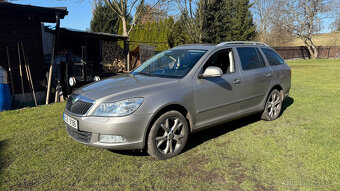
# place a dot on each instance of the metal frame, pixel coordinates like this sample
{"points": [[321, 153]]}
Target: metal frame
{"points": [[242, 42]]}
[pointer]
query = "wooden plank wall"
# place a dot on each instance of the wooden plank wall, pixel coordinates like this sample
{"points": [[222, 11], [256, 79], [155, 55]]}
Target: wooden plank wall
{"points": [[301, 52], [18, 27]]}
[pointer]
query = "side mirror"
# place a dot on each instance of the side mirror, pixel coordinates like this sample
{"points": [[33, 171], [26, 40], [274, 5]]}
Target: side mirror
{"points": [[211, 72]]}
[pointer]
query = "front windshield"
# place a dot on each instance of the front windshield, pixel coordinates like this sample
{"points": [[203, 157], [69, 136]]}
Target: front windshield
{"points": [[170, 63]]}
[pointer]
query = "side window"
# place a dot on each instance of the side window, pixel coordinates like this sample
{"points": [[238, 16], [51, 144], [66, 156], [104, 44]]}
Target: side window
{"points": [[272, 57], [222, 59], [251, 58]]}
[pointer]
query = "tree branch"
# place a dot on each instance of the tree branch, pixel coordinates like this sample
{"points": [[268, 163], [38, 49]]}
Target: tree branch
{"points": [[114, 6]]}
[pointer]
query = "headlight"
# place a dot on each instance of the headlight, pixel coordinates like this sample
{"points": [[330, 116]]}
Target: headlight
{"points": [[119, 108], [72, 81], [96, 78]]}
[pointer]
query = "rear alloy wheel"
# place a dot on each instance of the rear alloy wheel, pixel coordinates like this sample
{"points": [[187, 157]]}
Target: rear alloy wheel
{"points": [[168, 135], [273, 106]]}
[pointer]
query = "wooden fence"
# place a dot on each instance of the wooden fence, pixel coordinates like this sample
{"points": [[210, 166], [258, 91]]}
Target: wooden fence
{"points": [[301, 52]]}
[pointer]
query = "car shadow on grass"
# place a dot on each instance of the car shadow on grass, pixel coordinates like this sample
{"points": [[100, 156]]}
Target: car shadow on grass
{"points": [[200, 137], [131, 152], [286, 103]]}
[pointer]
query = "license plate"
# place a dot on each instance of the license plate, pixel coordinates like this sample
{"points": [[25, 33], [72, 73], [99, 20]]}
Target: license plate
{"points": [[70, 121]]}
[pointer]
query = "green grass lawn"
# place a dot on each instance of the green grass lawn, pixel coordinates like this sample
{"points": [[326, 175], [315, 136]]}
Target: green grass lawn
{"points": [[298, 151]]}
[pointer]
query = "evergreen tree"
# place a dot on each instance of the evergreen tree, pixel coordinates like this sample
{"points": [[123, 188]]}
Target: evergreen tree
{"points": [[104, 19], [213, 21], [177, 34], [155, 33], [227, 20], [242, 27]]}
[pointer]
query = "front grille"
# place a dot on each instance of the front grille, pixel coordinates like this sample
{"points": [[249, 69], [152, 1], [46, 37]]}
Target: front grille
{"points": [[79, 107], [81, 136], [69, 103]]}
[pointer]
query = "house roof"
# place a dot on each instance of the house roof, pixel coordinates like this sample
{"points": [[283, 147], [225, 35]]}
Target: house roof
{"points": [[79, 33], [47, 14]]}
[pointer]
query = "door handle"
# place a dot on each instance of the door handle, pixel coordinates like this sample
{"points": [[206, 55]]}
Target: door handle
{"points": [[236, 81], [268, 75]]}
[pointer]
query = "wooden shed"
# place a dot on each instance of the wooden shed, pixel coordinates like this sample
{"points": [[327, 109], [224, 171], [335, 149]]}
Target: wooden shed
{"points": [[23, 24], [140, 54]]}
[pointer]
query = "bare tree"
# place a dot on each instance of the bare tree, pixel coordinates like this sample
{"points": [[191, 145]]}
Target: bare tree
{"points": [[134, 8], [335, 25], [272, 22], [192, 18], [263, 11], [153, 14], [306, 15]]}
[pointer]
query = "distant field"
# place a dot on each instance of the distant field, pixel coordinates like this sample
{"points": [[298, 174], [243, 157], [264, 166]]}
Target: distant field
{"points": [[324, 39], [298, 151]]}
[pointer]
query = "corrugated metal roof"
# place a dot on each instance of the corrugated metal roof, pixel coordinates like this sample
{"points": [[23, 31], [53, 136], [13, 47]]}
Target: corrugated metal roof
{"points": [[48, 13], [87, 33]]}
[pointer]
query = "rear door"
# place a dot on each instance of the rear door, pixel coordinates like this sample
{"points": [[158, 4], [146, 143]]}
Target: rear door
{"points": [[281, 71], [256, 78]]}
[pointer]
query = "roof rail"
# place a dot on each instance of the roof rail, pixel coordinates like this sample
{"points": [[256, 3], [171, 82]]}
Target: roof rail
{"points": [[242, 42]]}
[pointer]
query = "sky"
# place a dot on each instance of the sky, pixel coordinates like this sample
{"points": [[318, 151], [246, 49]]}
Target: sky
{"points": [[79, 11]]}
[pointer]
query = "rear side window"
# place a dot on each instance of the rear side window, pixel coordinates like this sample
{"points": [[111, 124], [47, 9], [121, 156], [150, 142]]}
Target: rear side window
{"points": [[272, 57], [250, 58]]}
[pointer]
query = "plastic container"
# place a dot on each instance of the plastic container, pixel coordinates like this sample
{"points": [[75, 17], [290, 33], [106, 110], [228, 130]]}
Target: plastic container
{"points": [[5, 93]]}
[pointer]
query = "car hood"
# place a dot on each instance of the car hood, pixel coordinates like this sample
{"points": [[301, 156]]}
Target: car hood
{"points": [[122, 84]]}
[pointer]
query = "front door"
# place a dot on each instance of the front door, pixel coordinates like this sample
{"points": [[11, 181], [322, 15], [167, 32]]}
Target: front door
{"points": [[218, 99]]}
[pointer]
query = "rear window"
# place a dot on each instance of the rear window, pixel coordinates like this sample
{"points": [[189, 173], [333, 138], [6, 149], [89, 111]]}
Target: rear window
{"points": [[250, 58], [272, 57]]}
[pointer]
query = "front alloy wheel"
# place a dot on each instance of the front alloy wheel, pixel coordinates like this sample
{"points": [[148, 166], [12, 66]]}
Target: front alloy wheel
{"points": [[168, 135]]}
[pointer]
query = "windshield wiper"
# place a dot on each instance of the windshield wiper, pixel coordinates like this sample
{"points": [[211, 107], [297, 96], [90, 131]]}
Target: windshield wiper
{"points": [[145, 73]]}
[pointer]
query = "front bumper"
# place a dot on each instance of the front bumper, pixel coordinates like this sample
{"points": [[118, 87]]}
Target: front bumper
{"points": [[132, 127]]}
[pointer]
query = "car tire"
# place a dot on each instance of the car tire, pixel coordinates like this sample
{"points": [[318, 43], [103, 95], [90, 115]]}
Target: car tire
{"points": [[168, 135], [273, 106]]}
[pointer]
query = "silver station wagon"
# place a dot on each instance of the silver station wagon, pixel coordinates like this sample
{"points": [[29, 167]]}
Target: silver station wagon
{"points": [[177, 92]]}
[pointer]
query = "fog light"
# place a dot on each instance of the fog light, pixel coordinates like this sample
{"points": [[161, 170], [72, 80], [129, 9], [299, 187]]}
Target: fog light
{"points": [[111, 139]]}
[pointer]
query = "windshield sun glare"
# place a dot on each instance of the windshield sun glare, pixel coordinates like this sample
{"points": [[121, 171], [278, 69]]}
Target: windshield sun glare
{"points": [[171, 63]]}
